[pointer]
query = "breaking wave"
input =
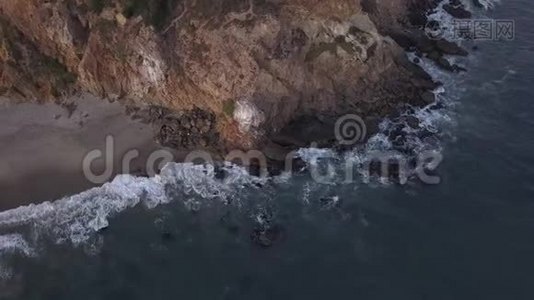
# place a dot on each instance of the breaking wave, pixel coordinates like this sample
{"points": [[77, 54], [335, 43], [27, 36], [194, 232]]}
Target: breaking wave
{"points": [[12, 244], [76, 219], [414, 131], [489, 4], [447, 21]]}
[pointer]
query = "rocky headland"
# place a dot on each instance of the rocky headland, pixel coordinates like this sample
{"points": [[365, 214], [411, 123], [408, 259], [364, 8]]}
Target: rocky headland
{"points": [[228, 74]]}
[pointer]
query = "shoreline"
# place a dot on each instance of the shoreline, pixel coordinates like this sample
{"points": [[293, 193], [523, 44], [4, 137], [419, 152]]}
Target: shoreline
{"points": [[44, 146], [65, 133]]}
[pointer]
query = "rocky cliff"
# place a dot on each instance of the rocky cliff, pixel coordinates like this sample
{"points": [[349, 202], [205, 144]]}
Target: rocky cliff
{"points": [[221, 74]]}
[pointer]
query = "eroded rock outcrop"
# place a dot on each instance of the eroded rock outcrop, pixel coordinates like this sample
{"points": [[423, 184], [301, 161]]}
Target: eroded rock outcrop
{"points": [[252, 66]]}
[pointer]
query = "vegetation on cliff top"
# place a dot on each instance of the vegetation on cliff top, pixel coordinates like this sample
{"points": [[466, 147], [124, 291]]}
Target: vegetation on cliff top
{"points": [[98, 5], [62, 77], [229, 108], [157, 13]]}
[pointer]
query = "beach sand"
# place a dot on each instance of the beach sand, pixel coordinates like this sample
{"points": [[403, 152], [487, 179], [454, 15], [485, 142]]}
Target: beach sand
{"points": [[42, 147]]}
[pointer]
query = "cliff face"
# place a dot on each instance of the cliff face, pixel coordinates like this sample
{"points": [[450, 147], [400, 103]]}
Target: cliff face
{"points": [[249, 67]]}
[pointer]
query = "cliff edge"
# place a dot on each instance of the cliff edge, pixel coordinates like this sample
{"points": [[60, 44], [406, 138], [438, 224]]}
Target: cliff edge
{"points": [[218, 74]]}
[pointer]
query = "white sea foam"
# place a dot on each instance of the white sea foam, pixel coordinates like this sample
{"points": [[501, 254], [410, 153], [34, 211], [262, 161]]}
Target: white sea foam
{"points": [[445, 20], [77, 218], [312, 156], [433, 120], [14, 243], [489, 4]]}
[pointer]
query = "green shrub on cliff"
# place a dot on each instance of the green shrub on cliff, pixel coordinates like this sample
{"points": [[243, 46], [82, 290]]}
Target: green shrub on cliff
{"points": [[157, 13], [58, 72], [98, 5], [229, 108]]}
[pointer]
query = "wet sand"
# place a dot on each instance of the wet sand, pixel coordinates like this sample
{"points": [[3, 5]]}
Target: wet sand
{"points": [[43, 147]]}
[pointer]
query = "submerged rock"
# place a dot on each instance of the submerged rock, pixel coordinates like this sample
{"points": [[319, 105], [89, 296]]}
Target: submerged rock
{"points": [[330, 202], [266, 238], [458, 12], [267, 231], [167, 236], [447, 47]]}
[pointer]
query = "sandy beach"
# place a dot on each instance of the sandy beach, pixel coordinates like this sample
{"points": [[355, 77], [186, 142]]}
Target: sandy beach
{"points": [[43, 147]]}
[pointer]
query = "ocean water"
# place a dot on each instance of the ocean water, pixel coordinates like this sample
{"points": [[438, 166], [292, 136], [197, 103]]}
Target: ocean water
{"points": [[191, 233]]}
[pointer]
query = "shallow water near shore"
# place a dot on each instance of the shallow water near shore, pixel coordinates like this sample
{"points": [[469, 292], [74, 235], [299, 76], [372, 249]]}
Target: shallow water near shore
{"points": [[187, 235]]}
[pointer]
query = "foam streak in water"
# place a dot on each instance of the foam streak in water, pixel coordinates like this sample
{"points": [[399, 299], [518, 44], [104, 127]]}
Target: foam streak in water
{"points": [[77, 218]]}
